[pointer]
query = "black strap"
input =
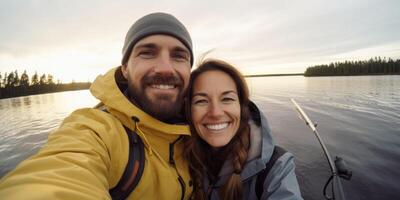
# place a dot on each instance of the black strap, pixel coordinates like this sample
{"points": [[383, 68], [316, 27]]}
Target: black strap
{"points": [[278, 152], [134, 168]]}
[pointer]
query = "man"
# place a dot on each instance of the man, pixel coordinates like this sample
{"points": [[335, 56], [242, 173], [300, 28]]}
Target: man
{"points": [[87, 155]]}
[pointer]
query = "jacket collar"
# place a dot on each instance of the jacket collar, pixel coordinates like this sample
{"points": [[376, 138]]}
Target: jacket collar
{"points": [[108, 89]]}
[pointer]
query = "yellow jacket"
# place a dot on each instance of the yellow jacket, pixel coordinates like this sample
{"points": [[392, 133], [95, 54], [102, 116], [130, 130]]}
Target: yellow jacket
{"points": [[87, 155]]}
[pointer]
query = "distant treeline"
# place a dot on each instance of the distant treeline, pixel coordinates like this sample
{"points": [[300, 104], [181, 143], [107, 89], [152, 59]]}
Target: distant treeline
{"points": [[374, 66], [13, 85]]}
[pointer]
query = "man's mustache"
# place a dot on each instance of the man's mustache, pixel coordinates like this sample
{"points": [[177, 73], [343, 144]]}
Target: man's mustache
{"points": [[159, 79]]}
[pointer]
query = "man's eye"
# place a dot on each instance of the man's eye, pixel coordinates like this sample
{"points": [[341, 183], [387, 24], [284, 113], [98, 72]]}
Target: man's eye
{"points": [[180, 57], [146, 54]]}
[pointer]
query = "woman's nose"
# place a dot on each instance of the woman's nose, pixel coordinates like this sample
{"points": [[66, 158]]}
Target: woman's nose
{"points": [[215, 110]]}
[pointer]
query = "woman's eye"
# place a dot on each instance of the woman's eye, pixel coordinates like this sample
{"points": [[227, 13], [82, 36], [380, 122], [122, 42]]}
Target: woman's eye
{"points": [[228, 99], [200, 102]]}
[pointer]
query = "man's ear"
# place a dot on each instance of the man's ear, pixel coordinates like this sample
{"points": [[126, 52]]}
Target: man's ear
{"points": [[124, 69]]}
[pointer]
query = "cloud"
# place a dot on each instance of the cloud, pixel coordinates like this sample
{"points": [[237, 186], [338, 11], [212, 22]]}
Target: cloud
{"points": [[252, 33]]}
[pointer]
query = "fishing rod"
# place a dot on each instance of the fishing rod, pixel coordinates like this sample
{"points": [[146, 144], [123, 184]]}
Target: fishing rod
{"points": [[338, 167]]}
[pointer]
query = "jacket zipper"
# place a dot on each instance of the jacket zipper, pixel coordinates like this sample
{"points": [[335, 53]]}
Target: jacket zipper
{"points": [[172, 162]]}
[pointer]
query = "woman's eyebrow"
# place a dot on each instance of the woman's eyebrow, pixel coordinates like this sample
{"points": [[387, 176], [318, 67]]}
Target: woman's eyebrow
{"points": [[229, 91], [202, 94]]}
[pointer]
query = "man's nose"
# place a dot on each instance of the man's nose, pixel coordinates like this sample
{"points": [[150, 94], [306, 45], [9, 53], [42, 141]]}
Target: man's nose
{"points": [[164, 64]]}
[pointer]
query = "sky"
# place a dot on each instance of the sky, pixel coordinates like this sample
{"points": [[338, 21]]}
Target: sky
{"points": [[78, 40]]}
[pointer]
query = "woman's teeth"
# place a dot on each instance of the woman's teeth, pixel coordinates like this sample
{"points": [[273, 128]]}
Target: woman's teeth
{"points": [[217, 127]]}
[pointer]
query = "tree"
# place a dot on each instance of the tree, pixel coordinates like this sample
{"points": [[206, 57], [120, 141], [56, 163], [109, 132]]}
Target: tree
{"points": [[10, 80], [50, 79], [42, 79], [35, 79], [16, 81], [24, 79], [5, 80]]}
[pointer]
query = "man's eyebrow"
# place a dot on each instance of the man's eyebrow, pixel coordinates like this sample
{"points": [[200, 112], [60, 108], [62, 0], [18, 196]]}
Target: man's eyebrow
{"points": [[181, 49], [146, 45]]}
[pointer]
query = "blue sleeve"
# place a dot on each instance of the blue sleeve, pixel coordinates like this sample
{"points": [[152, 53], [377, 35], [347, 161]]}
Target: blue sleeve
{"points": [[281, 182]]}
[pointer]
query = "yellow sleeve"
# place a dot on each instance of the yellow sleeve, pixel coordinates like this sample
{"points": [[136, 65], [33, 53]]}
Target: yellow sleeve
{"points": [[74, 164]]}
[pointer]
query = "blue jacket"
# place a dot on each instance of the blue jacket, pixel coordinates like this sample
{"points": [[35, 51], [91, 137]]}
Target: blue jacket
{"points": [[281, 182]]}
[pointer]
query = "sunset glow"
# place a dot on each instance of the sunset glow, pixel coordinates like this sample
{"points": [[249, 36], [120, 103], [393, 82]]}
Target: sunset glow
{"points": [[261, 37]]}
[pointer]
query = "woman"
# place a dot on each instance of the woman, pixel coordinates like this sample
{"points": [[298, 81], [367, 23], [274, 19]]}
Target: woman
{"points": [[231, 142]]}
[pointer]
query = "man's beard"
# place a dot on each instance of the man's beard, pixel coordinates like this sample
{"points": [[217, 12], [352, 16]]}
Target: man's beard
{"points": [[163, 107]]}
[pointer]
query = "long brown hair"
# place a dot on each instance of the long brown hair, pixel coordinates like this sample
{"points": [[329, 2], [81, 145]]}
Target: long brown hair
{"points": [[198, 151]]}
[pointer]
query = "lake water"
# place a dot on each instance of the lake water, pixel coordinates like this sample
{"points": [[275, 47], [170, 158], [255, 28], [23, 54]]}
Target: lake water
{"points": [[358, 118]]}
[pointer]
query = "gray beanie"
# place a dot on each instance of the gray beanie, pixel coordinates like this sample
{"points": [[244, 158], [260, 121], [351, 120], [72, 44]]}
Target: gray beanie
{"points": [[156, 23]]}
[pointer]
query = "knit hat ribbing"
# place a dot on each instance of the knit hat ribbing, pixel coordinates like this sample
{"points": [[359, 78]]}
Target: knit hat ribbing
{"points": [[152, 24]]}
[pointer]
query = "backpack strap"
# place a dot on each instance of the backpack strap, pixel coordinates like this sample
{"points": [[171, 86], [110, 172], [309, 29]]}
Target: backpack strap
{"points": [[134, 168], [278, 152]]}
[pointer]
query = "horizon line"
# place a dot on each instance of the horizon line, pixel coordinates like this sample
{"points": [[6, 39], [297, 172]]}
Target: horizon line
{"points": [[262, 75]]}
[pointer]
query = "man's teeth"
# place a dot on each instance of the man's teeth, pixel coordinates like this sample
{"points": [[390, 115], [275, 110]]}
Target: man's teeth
{"points": [[163, 87], [217, 127]]}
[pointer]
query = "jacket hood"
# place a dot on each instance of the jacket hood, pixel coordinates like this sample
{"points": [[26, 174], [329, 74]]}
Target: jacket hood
{"points": [[109, 89], [261, 143]]}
